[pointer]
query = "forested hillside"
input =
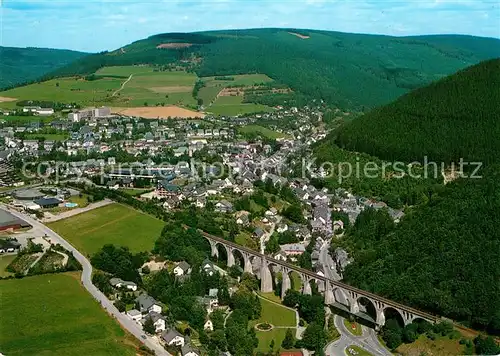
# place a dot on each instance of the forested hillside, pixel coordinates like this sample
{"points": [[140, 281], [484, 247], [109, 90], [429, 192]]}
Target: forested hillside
{"points": [[456, 117], [443, 257], [348, 70], [20, 65]]}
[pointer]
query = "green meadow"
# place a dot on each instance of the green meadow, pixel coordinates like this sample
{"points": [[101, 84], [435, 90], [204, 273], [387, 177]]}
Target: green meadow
{"points": [[112, 224], [53, 315]]}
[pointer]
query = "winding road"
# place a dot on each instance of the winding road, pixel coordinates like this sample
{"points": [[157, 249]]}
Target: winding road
{"points": [[86, 279], [367, 341], [327, 262]]}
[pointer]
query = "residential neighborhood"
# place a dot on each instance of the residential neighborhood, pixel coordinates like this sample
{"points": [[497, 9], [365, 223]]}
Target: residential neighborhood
{"points": [[249, 182]]}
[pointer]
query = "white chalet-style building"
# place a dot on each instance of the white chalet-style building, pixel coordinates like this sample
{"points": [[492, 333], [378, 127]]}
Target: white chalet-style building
{"points": [[183, 268], [148, 304], [119, 283], [173, 338], [208, 326], [134, 314]]}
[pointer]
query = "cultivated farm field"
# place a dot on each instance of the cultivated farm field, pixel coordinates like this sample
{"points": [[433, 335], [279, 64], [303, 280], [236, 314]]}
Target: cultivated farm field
{"points": [[159, 112], [53, 315], [151, 88], [112, 224], [144, 87], [214, 86], [233, 106], [66, 90]]}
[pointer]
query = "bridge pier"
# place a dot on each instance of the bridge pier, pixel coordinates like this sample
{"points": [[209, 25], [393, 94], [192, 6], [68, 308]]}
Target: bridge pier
{"points": [[230, 257], [306, 288], [333, 291], [285, 285], [380, 317], [353, 306], [266, 278], [329, 297], [213, 248], [248, 265], [407, 317]]}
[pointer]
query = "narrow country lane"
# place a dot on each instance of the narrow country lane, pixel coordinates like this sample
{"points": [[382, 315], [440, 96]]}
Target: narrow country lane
{"points": [[86, 279]]}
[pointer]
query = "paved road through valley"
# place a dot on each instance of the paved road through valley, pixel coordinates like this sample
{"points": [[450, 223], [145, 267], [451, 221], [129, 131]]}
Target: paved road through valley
{"points": [[368, 341], [127, 323]]}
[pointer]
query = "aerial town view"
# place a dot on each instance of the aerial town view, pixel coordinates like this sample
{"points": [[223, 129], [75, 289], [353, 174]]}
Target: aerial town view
{"points": [[238, 178]]}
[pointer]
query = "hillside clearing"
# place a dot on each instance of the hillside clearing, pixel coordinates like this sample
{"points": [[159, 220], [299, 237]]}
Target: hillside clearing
{"points": [[124, 71], [304, 37]]}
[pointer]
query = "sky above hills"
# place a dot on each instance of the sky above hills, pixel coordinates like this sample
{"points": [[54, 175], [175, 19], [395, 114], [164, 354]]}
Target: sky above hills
{"points": [[96, 25]]}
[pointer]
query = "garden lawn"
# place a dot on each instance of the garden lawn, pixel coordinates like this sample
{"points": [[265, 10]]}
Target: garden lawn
{"points": [[47, 137], [244, 239], [135, 192], [276, 314], [265, 338], [224, 107], [112, 224], [261, 131], [296, 281], [53, 315], [4, 262]]}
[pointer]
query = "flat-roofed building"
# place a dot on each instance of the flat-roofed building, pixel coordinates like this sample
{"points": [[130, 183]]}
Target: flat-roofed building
{"points": [[9, 221]]}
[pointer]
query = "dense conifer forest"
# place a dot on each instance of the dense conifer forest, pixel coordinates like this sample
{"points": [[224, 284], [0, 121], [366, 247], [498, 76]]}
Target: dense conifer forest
{"points": [[456, 117], [444, 255], [19, 65]]}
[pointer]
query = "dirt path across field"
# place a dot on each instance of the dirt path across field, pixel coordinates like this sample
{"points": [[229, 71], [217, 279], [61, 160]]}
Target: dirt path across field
{"points": [[4, 99], [123, 85]]}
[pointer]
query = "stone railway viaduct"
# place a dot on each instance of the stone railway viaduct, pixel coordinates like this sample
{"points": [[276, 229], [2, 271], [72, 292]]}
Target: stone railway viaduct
{"points": [[341, 295]]}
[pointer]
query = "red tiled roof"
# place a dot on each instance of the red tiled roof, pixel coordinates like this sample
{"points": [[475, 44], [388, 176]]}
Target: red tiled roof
{"points": [[292, 353]]}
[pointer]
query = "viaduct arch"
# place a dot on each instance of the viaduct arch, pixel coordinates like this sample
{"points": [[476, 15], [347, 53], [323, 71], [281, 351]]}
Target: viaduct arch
{"points": [[334, 292]]}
